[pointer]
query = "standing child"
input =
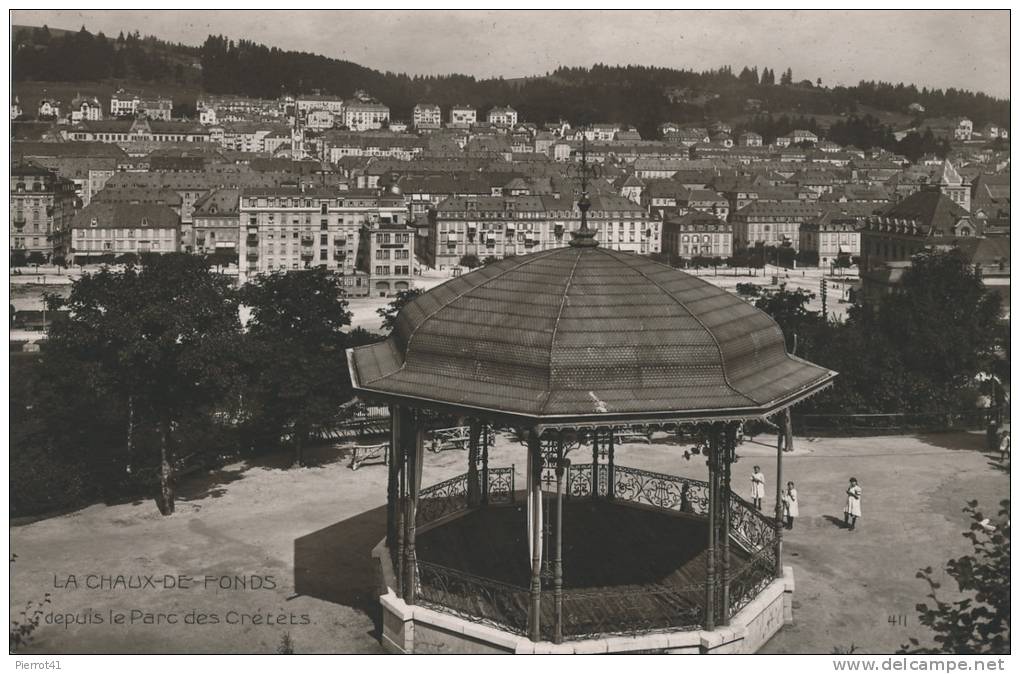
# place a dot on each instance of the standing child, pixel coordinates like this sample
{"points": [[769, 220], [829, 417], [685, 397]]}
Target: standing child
{"points": [[757, 487], [853, 504], [790, 504]]}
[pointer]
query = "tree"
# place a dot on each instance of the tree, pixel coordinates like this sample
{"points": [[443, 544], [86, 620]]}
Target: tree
{"points": [[18, 258], [390, 311], [36, 257], [978, 624], [787, 77], [161, 335], [944, 323], [470, 261], [294, 353], [789, 309]]}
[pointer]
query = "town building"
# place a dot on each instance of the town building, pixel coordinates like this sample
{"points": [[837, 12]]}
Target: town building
{"points": [[833, 233], [427, 116], [964, 129], [287, 228], [216, 224], [500, 226], [365, 114], [42, 205], [86, 108], [503, 117], [308, 102], [158, 109], [750, 139], [48, 108], [696, 233], [770, 224], [320, 119], [122, 131], [463, 116], [124, 104], [105, 230], [925, 218]]}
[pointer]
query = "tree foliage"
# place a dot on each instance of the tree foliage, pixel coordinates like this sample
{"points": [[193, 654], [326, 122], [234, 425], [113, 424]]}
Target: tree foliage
{"points": [[978, 624], [294, 348], [158, 335], [390, 311]]}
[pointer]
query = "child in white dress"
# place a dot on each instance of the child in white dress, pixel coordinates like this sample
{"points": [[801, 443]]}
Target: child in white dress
{"points": [[757, 487], [790, 504], [853, 504]]}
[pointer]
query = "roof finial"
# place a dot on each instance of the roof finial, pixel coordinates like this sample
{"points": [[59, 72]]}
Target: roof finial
{"points": [[585, 237]]}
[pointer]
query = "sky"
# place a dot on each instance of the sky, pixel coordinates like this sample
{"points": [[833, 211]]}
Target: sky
{"points": [[934, 48]]}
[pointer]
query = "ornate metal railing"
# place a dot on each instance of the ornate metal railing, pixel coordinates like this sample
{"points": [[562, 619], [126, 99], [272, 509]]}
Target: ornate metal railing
{"points": [[442, 499], [450, 496], [753, 577], [624, 610], [501, 485], [750, 527], [472, 597], [669, 492]]}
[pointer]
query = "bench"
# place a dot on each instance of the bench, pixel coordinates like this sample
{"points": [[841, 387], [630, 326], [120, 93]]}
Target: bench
{"points": [[456, 437], [362, 455], [633, 436]]}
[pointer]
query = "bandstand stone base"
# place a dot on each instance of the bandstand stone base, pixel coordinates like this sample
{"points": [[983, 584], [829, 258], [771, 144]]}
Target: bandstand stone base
{"points": [[417, 629]]}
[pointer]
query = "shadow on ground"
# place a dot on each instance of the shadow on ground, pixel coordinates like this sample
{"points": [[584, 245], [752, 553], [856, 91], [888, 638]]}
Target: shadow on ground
{"points": [[335, 563], [956, 440]]}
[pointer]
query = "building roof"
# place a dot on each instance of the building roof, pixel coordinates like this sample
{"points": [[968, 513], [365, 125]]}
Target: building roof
{"points": [[929, 208], [219, 203], [121, 215], [580, 335]]}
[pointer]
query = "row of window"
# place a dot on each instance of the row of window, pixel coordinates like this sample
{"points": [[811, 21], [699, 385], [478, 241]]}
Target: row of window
{"points": [[398, 270]]}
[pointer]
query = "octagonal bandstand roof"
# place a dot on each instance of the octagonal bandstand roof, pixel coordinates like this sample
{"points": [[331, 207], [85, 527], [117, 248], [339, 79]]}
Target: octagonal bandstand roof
{"points": [[585, 335]]}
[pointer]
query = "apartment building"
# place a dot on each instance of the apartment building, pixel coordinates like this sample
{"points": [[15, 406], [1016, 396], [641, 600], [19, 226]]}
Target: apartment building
{"points": [[42, 205], [427, 116], [110, 229], [499, 226], [463, 116], [770, 223], [697, 234], [504, 118], [286, 228]]}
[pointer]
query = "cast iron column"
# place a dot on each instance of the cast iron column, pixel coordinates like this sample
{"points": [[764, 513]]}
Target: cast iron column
{"points": [[473, 488], [611, 476], [779, 509], [535, 456], [391, 485], [713, 452], [485, 464], [595, 463], [728, 443], [414, 481], [401, 513], [561, 463]]}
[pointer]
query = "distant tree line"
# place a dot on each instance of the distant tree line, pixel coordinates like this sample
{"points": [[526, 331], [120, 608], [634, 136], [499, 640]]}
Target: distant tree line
{"points": [[82, 56], [631, 95]]}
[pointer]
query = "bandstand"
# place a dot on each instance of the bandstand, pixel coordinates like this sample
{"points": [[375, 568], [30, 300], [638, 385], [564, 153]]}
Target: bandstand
{"points": [[571, 352]]}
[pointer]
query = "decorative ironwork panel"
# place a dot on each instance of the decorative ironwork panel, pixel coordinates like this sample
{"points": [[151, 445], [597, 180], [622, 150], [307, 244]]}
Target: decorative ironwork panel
{"points": [[501, 485], [752, 579], [750, 527], [578, 480], [659, 490], [474, 598], [603, 486], [628, 609], [442, 499]]}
